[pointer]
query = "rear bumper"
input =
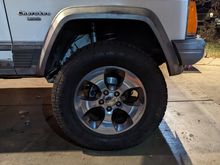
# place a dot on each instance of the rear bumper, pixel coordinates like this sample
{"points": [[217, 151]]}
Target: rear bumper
{"points": [[190, 51]]}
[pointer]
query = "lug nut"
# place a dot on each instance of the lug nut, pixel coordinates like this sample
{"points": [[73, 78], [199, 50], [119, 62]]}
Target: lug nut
{"points": [[109, 108], [118, 103], [106, 92], [101, 101], [116, 94]]}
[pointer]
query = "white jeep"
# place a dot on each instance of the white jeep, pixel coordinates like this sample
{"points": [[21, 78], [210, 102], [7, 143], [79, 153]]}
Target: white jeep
{"points": [[103, 58]]}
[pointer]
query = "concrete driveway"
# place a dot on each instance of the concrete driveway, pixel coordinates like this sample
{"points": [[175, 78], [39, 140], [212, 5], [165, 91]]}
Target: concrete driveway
{"points": [[189, 133]]}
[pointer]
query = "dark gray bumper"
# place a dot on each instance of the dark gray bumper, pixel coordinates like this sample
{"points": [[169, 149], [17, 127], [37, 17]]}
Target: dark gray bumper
{"points": [[190, 50]]}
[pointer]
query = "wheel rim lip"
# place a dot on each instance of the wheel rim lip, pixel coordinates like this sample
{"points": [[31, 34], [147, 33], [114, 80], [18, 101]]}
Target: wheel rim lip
{"points": [[97, 74]]}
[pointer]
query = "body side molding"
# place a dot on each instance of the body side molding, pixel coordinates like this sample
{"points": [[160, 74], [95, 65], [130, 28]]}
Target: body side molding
{"points": [[110, 12]]}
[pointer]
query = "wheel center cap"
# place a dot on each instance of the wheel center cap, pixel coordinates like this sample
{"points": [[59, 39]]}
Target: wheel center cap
{"points": [[110, 101]]}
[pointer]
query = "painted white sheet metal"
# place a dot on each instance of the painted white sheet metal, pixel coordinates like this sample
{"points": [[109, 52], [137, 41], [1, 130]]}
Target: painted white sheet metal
{"points": [[4, 31], [6, 56], [172, 14]]}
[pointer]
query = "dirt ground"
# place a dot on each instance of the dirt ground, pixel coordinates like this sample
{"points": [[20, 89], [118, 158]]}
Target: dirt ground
{"points": [[189, 133]]}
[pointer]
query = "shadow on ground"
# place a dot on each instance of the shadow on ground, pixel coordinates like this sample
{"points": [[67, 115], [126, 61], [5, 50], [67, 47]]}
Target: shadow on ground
{"points": [[23, 129], [191, 69]]}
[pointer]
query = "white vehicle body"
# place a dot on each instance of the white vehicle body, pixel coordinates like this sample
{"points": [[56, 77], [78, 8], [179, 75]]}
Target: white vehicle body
{"points": [[171, 13], [29, 29], [4, 31]]}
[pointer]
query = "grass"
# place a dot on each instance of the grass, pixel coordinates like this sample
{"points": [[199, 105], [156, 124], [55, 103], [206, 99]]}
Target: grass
{"points": [[213, 49]]}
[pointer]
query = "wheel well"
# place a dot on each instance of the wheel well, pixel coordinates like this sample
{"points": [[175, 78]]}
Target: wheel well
{"points": [[134, 32]]}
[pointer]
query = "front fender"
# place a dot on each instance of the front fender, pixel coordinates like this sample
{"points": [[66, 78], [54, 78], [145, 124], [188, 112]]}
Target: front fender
{"points": [[110, 12]]}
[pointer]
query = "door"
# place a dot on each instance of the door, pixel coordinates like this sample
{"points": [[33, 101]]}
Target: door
{"points": [[6, 56]]}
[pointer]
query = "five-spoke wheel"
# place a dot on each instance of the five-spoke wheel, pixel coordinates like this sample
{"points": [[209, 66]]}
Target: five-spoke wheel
{"points": [[110, 100]]}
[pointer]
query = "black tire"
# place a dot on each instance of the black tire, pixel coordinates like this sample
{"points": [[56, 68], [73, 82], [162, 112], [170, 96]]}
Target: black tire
{"points": [[99, 55]]}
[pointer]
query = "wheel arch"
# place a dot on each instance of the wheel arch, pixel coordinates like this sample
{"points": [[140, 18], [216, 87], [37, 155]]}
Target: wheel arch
{"points": [[109, 13]]}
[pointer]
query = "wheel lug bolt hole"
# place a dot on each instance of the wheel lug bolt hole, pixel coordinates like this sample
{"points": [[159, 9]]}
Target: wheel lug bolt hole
{"points": [[109, 108], [116, 94], [106, 92], [118, 103], [101, 101]]}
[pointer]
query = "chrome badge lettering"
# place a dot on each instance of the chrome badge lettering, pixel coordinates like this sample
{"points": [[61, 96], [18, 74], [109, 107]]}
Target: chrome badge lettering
{"points": [[38, 13], [33, 16]]}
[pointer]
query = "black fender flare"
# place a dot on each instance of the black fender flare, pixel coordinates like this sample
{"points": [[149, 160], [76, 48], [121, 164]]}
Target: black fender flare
{"points": [[110, 12]]}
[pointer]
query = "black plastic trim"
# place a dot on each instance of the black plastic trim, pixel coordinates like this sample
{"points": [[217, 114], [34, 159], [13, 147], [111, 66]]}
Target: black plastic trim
{"points": [[5, 46], [110, 12], [26, 57], [190, 51]]}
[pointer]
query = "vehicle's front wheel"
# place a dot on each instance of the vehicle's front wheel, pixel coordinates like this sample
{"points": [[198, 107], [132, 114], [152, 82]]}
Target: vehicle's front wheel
{"points": [[109, 96]]}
